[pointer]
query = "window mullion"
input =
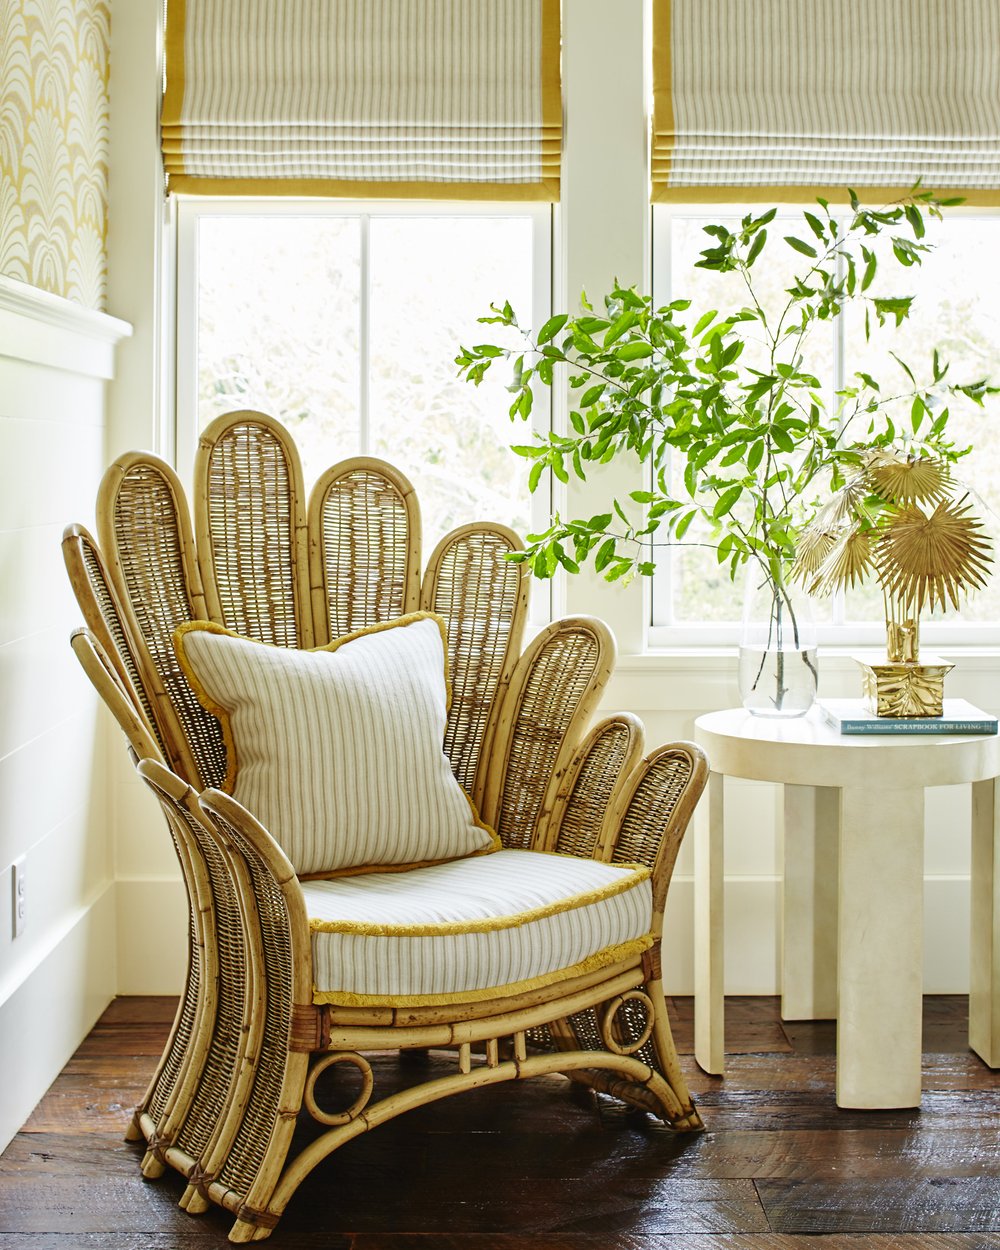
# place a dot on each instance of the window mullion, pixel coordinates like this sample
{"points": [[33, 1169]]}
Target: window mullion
{"points": [[364, 338], [839, 344]]}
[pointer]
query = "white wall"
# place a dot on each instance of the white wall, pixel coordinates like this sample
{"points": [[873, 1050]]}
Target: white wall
{"points": [[603, 233], [56, 978]]}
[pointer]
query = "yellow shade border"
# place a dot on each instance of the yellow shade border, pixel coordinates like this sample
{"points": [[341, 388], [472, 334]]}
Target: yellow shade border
{"points": [[735, 194]]}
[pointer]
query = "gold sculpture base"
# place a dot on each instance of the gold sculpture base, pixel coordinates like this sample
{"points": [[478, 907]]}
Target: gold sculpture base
{"points": [[903, 688]]}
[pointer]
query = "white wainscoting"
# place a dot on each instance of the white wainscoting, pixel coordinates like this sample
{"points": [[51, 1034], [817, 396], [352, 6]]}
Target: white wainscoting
{"points": [[55, 363]]}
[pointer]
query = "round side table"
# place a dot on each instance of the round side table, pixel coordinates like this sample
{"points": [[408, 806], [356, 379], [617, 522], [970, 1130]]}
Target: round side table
{"points": [[852, 893]]}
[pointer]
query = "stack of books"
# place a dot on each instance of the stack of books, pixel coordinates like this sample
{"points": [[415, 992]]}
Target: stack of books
{"points": [[850, 716]]}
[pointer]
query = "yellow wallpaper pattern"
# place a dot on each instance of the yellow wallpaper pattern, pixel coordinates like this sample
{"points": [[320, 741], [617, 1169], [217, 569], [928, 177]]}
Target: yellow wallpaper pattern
{"points": [[54, 145]]}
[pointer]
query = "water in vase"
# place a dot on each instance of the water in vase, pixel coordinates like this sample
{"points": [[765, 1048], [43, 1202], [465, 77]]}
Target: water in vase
{"points": [[777, 682]]}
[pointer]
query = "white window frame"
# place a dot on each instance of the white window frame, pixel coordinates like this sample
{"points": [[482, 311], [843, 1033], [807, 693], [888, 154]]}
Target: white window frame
{"points": [[192, 209], [699, 636]]}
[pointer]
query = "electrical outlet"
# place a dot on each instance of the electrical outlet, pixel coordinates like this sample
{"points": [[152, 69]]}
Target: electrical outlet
{"points": [[18, 903]]}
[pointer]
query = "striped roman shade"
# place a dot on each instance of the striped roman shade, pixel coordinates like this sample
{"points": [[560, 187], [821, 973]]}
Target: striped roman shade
{"points": [[450, 99], [786, 99], [338, 751]]}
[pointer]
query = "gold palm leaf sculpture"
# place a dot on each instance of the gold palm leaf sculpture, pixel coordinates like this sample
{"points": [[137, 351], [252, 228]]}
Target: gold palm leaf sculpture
{"points": [[926, 560], [899, 519]]}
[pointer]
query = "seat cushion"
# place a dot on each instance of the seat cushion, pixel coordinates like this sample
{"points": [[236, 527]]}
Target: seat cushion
{"points": [[338, 752], [474, 928]]}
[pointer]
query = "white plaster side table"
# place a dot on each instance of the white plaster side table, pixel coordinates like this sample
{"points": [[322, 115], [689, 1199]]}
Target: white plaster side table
{"points": [[852, 894]]}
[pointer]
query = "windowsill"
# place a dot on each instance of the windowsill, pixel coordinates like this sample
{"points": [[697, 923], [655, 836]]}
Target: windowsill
{"points": [[840, 657]]}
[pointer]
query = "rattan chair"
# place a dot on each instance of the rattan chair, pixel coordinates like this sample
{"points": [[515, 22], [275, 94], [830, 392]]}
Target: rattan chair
{"points": [[248, 1041]]}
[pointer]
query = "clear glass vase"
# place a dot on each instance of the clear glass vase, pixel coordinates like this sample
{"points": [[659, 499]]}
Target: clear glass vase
{"points": [[778, 670]]}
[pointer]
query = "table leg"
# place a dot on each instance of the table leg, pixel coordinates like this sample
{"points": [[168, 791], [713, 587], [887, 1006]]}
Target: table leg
{"points": [[880, 948], [809, 818], [984, 961], [709, 930]]}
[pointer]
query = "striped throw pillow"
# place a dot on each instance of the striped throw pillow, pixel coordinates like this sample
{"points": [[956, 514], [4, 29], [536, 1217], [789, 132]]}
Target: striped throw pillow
{"points": [[338, 751]]}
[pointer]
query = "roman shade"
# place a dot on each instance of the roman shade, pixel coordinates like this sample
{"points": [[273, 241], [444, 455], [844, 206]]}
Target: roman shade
{"points": [[454, 99], [794, 98]]}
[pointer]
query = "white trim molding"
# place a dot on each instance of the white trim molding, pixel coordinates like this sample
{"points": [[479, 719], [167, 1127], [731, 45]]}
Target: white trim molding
{"points": [[46, 329]]}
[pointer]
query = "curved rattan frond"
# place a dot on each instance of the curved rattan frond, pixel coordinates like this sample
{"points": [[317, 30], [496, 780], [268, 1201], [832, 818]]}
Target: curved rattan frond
{"points": [[552, 694], [121, 700], [249, 1159], [148, 546], [104, 618], [195, 1119], [483, 597], [653, 811], [609, 753], [122, 704], [364, 547], [251, 526]]}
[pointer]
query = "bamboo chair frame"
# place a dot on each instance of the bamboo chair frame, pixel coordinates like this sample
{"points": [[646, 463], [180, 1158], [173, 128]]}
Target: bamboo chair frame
{"points": [[248, 1042]]}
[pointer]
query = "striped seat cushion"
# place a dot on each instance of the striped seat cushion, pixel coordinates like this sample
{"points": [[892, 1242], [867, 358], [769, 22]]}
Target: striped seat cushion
{"points": [[338, 751], [474, 928]]}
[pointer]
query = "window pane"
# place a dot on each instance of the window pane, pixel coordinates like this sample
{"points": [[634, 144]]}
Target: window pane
{"points": [[701, 590], [431, 278], [279, 326]]}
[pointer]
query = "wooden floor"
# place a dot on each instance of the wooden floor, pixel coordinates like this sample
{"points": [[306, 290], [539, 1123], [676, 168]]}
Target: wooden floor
{"points": [[545, 1166]]}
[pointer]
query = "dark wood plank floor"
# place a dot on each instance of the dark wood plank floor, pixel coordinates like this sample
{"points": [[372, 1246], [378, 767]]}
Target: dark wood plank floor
{"points": [[546, 1166]]}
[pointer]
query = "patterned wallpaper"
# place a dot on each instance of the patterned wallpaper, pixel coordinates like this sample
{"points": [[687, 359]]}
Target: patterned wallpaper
{"points": [[54, 145]]}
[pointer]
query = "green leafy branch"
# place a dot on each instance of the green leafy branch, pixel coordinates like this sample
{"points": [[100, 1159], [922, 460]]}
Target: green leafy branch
{"points": [[665, 387]]}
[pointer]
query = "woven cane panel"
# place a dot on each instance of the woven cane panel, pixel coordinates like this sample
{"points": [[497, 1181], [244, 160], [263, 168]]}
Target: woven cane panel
{"points": [[364, 539], [650, 810], [217, 1075], [477, 594], [166, 1079], [560, 676], [592, 791], [250, 1145], [149, 552], [112, 623], [252, 539]]}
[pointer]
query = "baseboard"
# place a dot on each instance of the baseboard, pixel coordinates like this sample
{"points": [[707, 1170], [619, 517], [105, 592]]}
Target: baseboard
{"points": [[46, 1017]]}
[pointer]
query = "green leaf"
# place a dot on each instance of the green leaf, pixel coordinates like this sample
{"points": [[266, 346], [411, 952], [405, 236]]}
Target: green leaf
{"points": [[915, 218], [782, 439], [535, 474], [756, 247], [552, 327], [637, 350], [605, 554], [815, 225], [801, 246], [726, 500], [592, 395], [704, 322], [684, 524], [624, 323]]}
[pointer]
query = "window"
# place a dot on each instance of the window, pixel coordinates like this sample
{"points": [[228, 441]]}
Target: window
{"points": [[343, 321], [957, 309]]}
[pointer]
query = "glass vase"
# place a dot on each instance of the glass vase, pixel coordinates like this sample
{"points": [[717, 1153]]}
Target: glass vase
{"points": [[778, 670]]}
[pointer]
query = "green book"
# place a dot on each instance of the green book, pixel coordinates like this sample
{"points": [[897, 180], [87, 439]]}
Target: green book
{"points": [[850, 716]]}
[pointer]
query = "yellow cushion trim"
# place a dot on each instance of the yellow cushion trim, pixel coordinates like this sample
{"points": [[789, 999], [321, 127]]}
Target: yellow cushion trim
{"points": [[600, 959], [451, 927], [222, 715]]}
